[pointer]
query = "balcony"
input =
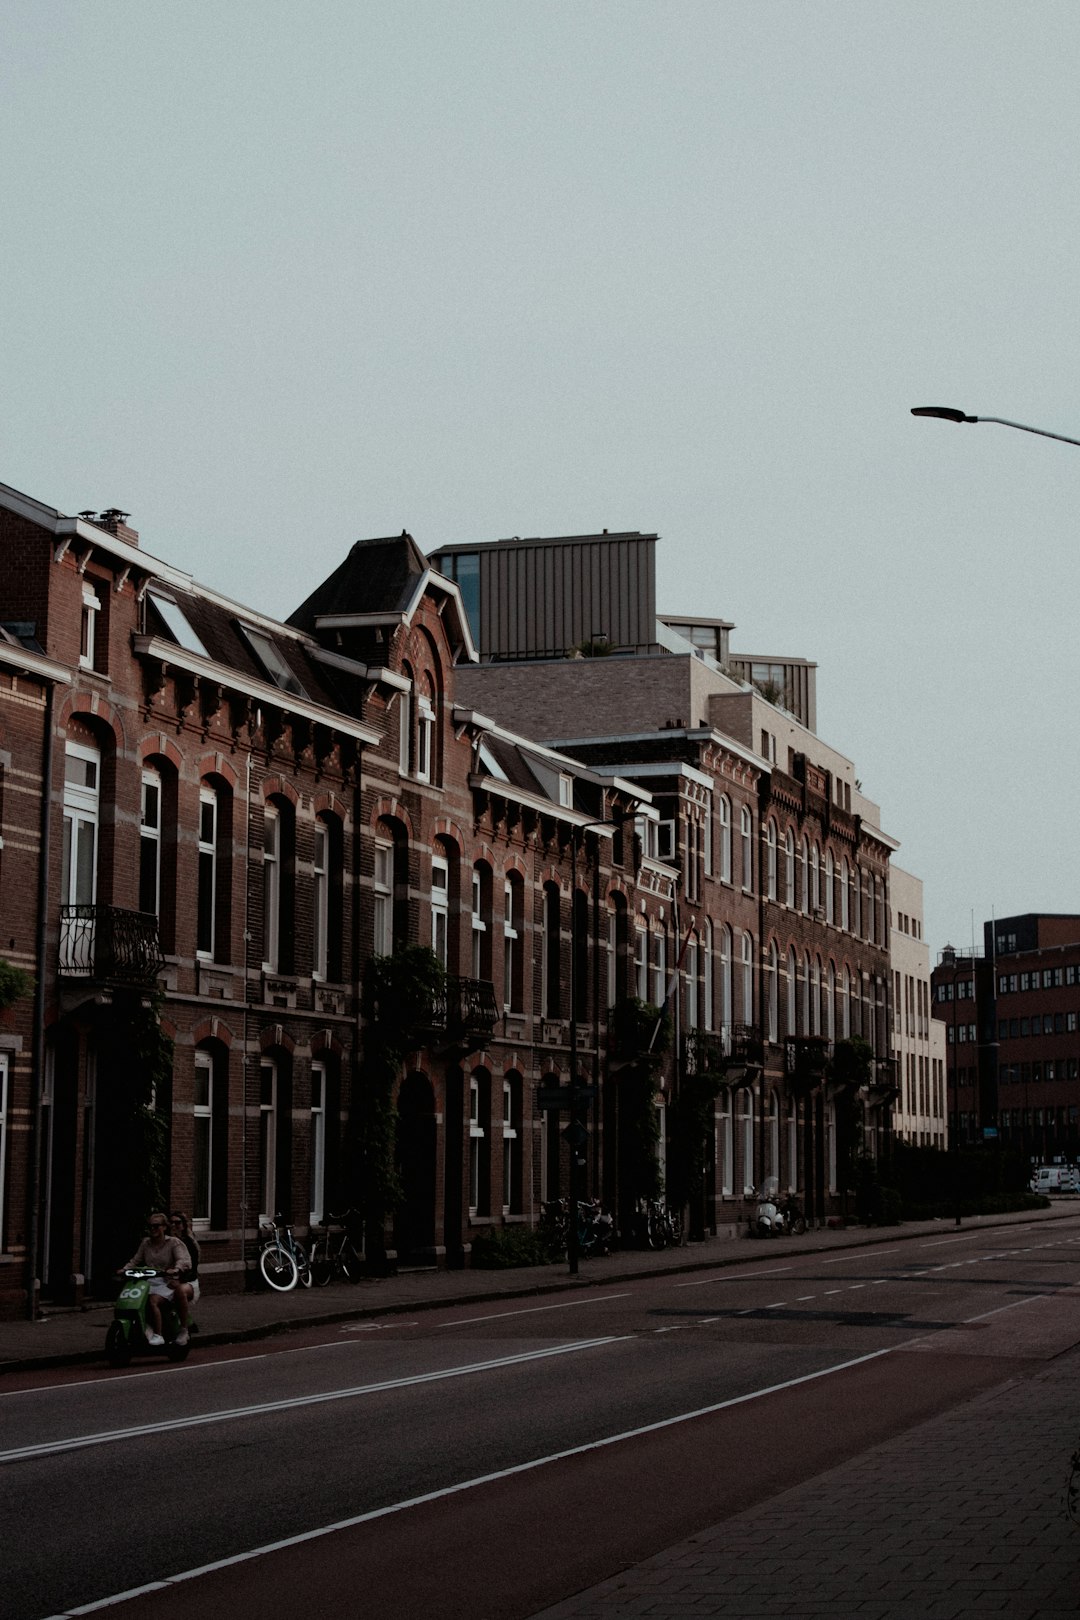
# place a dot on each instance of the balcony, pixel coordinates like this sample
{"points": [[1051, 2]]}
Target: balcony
{"points": [[109, 945], [806, 1059], [465, 1014]]}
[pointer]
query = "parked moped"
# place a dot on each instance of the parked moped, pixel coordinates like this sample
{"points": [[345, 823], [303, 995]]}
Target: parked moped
{"points": [[776, 1217], [127, 1330]]}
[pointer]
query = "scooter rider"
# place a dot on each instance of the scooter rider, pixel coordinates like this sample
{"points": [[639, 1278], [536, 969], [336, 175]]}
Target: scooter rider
{"points": [[169, 1256]]}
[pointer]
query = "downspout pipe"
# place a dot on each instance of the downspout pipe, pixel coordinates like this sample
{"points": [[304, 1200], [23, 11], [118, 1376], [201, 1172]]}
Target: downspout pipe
{"points": [[37, 1079]]}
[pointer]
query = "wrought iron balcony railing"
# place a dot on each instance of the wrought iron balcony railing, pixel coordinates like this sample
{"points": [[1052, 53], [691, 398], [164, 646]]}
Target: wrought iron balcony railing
{"points": [[465, 1013], [732, 1046], [109, 944]]}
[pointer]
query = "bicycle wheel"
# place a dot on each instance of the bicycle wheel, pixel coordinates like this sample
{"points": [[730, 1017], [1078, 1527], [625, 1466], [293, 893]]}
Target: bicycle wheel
{"points": [[278, 1267], [322, 1262], [348, 1261], [303, 1264]]}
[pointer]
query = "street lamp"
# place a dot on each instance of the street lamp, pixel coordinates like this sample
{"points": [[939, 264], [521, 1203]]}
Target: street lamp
{"points": [[948, 413]]}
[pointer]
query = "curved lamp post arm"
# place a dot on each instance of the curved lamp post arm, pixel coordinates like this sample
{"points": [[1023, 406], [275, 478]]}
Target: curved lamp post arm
{"points": [[946, 413]]}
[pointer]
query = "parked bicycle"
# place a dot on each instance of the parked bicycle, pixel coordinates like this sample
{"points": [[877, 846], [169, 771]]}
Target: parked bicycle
{"points": [[283, 1260], [659, 1225], [335, 1252]]}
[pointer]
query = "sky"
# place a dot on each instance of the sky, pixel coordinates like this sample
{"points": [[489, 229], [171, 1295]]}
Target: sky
{"points": [[276, 277]]}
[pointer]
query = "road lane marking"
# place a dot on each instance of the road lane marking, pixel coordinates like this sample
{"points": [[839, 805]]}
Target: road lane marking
{"points": [[48, 1448], [857, 1254], [517, 1468], [465, 1485], [531, 1310], [703, 1282]]}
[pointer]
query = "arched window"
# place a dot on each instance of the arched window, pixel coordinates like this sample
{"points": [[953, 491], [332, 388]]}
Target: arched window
{"points": [[792, 993], [726, 1144], [425, 731], [513, 942], [789, 869], [157, 846], [551, 976], [279, 884], [747, 979], [830, 887], [773, 1165], [845, 895], [815, 997], [815, 877], [214, 888], [770, 860], [804, 1010], [723, 816], [692, 971], [480, 921], [641, 962], [793, 1145], [746, 840], [708, 1009], [479, 1142], [440, 905], [747, 1122], [726, 1006], [830, 1003], [772, 969], [659, 964], [804, 873], [511, 1145]]}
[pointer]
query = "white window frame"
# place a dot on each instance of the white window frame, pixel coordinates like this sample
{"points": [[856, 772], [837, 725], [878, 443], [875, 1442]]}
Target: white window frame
{"points": [[317, 1143], [382, 884], [150, 834], [747, 954], [320, 899], [723, 816], [91, 607], [268, 1138], [425, 737], [746, 839], [82, 809], [4, 1074], [271, 887], [479, 926], [440, 908], [208, 856], [476, 1137], [509, 1137], [789, 869], [203, 1132]]}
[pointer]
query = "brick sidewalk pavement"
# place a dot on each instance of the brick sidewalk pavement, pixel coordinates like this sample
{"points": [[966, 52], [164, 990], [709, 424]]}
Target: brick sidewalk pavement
{"points": [[961, 1517]]}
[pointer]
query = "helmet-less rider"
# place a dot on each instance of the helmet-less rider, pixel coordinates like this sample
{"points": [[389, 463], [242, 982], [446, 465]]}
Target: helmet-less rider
{"points": [[169, 1256]]}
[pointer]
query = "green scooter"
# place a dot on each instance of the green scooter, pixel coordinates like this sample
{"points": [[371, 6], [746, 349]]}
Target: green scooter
{"points": [[127, 1330]]}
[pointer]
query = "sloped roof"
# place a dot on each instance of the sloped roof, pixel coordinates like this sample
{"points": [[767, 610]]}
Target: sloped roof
{"points": [[377, 576]]}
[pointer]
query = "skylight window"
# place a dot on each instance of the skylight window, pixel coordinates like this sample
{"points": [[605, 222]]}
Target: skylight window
{"points": [[491, 764], [269, 657], [177, 623]]}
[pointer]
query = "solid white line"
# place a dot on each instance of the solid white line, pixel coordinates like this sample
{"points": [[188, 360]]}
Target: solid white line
{"points": [[531, 1310], [518, 1468], [470, 1484], [857, 1254], [78, 1442], [703, 1282]]}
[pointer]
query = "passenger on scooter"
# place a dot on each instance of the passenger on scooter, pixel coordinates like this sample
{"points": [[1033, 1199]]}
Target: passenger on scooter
{"points": [[169, 1256], [189, 1280]]}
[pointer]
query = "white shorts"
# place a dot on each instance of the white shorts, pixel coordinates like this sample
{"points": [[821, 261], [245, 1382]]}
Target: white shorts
{"points": [[161, 1288]]}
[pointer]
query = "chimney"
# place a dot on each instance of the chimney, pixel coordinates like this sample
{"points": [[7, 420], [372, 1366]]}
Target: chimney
{"points": [[116, 522]]}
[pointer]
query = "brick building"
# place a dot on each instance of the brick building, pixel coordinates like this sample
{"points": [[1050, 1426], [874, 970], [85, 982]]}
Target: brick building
{"points": [[1012, 1027], [783, 864], [239, 814]]}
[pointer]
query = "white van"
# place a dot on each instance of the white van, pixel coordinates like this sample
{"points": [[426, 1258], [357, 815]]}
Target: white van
{"points": [[1051, 1178]]}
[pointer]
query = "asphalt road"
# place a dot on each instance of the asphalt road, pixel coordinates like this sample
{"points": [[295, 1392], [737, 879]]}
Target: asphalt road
{"points": [[484, 1462]]}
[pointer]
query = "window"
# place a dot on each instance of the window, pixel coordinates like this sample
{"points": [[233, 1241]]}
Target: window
{"points": [[267, 1138], [815, 997], [659, 966], [707, 979], [726, 1002], [726, 1146], [480, 922], [830, 887], [320, 899], [706, 840], [771, 860], [207, 886], [203, 1139], [383, 903], [273, 664], [425, 736], [405, 708], [804, 873], [746, 839], [815, 878], [747, 979], [317, 1199], [772, 970], [665, 840], [793, 1146], [641, 963], [789, 869], [91, 607], [830, 1003], [692, 983], [271, 888], [791, 1024], [440, 899], [477, 1147], [150, 844], [513, 976], [551, 976], [82, 786], [724, 819], [511, 1179]]}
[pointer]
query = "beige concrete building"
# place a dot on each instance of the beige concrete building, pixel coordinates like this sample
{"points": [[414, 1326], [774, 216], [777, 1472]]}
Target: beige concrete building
{"points": [[919, 1115]]}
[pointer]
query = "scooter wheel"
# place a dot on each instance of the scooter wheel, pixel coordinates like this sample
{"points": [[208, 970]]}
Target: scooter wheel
{"points": [[117, 1346], [177, 1352]]}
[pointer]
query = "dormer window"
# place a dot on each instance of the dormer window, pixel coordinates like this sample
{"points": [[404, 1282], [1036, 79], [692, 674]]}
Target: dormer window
{"points": [[273, 664]]}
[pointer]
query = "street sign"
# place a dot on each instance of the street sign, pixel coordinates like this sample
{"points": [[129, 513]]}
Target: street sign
{"points": [[576, 1134]]}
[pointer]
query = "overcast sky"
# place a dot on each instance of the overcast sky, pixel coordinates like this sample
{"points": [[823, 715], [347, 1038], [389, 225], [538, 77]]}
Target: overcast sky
{"points": [[274, 277]]}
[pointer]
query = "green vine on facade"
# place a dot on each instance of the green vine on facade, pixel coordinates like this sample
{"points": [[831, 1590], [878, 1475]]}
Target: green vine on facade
{"points": [[135, 1071], [15, 983]]}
